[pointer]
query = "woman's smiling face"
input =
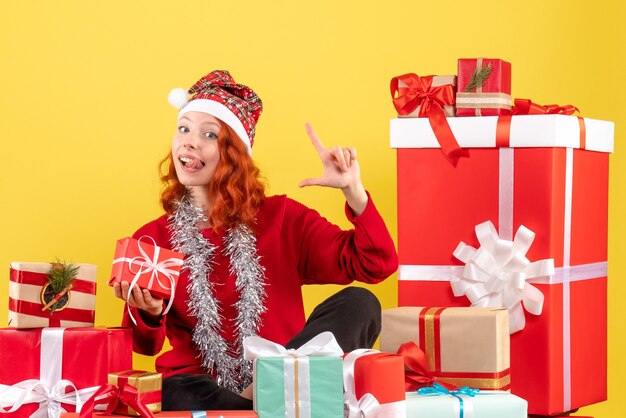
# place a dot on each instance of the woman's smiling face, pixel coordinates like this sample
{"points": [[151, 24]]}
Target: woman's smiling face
{"points": [[194, 148]]}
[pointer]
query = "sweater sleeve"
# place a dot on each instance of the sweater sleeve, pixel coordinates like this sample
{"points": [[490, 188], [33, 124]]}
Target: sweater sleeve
{"points": [[327, 254], [148, 333]]}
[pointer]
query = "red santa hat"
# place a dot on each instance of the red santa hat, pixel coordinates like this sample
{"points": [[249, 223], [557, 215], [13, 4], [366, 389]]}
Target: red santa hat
{"points": [[217, 94]]}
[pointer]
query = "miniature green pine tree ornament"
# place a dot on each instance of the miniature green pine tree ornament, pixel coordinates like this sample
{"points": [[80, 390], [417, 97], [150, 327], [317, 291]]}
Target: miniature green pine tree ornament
{"points": [[61, 277], [479, 77]]}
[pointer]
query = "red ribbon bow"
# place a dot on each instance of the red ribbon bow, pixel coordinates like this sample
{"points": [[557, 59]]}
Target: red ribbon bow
{"points": [[527, 107], [112, 396], [417, 373], [419, 92]]}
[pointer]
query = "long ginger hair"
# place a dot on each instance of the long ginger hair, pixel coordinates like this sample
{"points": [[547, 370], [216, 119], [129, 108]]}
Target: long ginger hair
{"points": [[236, 185]]}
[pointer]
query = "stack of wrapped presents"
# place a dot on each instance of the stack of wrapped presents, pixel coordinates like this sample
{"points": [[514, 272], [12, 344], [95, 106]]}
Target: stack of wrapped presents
{"points": [[502, 204], [502, 241]]}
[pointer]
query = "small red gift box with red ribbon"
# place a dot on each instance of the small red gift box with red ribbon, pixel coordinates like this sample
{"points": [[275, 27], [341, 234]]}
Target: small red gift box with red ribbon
{"points": [[373, 384], [27, 291], [44, 371], [142, 263], [483, 87], [543, 174]]}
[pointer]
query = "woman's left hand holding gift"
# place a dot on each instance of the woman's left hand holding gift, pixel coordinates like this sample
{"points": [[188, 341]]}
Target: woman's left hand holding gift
{"points": [[139, 298]]}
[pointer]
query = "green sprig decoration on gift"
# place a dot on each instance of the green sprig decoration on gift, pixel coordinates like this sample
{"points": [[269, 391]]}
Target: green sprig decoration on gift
{"points": [[479, 77], [61, 277]]}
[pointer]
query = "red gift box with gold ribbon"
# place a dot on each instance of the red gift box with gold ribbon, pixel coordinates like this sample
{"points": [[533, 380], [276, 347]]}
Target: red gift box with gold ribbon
{"points": [[46, 370], [483, 87], [548, 173], [456, 346], [27, 283]]}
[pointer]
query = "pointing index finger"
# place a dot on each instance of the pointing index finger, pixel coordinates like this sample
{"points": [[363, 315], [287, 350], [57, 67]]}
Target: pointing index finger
{"points": [[319, 147]]}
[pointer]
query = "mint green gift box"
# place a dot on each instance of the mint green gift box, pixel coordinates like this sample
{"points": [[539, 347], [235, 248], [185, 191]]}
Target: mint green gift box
{"points": [[302, 383], [485, 404], [314, 385]]}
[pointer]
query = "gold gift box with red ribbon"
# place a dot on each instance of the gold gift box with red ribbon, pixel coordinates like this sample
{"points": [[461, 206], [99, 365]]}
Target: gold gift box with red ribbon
{"points": [[147, 386], [463, 346]]}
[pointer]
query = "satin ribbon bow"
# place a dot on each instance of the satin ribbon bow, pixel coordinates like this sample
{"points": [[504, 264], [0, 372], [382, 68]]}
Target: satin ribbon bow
{"points": [[496, 274], [419, 92], [439, 390], [365, 407], [112, 396], [147, 264], [50, 398], [527, 107], [417, 374], [323, 344]]}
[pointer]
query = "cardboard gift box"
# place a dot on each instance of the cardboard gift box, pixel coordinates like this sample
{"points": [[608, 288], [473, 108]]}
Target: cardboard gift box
{"points": [[489, 98], [374, 384], [303, 382], [548, 175], [437, 81], [181, 414], [142, 263], [463, 346], [147, 386], [56, 361], [440, 403], [27, 285]]}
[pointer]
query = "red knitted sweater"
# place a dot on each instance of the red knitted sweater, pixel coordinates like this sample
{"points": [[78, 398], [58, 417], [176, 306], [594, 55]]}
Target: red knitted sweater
{"points": [[297, 246]]}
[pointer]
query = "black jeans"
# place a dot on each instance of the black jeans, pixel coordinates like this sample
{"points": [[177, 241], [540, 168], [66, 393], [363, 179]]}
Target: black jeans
{"points": [[353, 315]]}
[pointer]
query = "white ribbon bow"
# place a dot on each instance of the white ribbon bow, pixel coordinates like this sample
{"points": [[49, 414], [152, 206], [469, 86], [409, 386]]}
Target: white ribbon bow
{"points": [[367, 406], [323, 344], [496, 274], [49, 398], [151, 265]]}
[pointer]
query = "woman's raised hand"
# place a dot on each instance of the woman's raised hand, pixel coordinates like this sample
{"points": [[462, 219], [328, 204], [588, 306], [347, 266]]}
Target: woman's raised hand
{"points": [[341, 171], [139, 298]]}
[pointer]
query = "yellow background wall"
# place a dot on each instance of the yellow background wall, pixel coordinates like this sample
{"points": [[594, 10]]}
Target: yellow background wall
{"points": [[84, 118]]}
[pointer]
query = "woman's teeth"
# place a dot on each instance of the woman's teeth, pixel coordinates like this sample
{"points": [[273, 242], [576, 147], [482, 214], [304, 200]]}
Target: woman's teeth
{"points": [[193, 163]]}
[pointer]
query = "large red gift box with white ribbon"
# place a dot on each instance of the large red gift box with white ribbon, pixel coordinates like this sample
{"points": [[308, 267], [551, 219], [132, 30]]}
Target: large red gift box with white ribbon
{"points": [[550, 179], [47, 371]]}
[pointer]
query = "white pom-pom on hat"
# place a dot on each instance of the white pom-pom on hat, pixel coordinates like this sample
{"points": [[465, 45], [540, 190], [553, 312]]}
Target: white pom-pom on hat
{"points": [[178, 98]]}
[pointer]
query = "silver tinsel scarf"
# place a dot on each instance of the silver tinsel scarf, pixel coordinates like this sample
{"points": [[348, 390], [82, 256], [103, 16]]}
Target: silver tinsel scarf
{"points": [[232, 371]]}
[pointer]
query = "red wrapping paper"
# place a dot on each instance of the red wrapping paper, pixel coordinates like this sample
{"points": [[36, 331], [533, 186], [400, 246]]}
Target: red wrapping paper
{"points": [[89, 355], [182, 414], [498, 82], [439, 205], [380, 374], [155, 268]]}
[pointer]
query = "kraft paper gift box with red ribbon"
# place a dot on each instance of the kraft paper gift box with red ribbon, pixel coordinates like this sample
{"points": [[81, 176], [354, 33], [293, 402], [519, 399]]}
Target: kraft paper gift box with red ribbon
{"points": [[180, 414], [373, 385], [483, 87], [454, 346], [47, 371], [26, 297], [534, 174], [411, 90], [142, 263], [297, 383], [439, 402]]}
